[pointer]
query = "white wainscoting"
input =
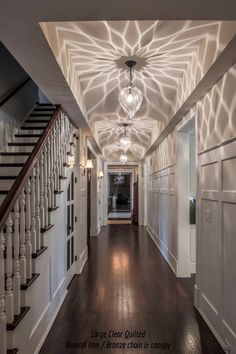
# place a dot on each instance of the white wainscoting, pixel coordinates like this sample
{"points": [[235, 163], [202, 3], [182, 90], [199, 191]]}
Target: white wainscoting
{"points": [[216, 281], [161, 216]]}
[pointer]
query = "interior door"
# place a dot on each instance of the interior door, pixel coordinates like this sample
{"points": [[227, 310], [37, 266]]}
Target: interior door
{"points": [[70, 258]]}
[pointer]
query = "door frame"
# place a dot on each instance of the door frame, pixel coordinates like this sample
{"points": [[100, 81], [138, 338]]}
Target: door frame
{"points": [[71, 271], [184, 266], [131, 173]]}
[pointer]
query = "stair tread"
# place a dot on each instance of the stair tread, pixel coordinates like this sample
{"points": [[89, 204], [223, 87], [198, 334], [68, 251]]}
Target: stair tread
{"points": [[45, 109], [38, 114], [45, 104], [58, 191], [32, 128], [18, 318], [15, 153], [66, 164], [38, 253], [12, 351], [27, 135], [7, 177], [47, 228], [4, 192], [62, 177], [36, 121], [29, 282], [21, 144], [53, 208], [11, 164]]}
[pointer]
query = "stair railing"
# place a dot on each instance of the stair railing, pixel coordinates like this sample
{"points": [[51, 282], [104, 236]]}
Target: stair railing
{"points": [[25, 214]]}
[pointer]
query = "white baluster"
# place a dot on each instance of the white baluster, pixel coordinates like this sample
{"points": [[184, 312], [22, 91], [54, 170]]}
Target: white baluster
{"points": [[55, 159], [60, 147], [33, 211], [16, 277], [52, 171], [9, 282], [28, 243], [22, 238], [42, 214], [58, 155], [3, 348], [37, 208], [45, 188], [49, 175]]}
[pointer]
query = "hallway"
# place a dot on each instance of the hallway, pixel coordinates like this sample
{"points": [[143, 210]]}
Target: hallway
{"points": [[127, 285]]}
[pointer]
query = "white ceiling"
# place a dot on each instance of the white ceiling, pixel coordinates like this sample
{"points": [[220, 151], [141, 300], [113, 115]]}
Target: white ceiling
{"points": [[21, 34], [92, 58]]}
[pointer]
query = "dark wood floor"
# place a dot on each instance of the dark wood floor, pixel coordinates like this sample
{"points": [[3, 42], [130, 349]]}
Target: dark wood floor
{"points": [[127, 286]]}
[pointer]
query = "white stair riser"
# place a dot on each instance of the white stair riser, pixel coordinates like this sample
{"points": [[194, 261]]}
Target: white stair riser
{"points": [[26, 140], [12, 159], [29, 124], [6, 184], [19, 148], [10, 171]]}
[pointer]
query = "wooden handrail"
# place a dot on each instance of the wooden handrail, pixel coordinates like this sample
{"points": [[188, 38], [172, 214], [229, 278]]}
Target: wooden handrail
{"points": [[21, 179], [14, 91]]}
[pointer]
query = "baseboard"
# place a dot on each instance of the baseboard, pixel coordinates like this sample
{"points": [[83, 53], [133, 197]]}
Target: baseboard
{"points": [[82, 260], [169, 257], [196, 296], [193, 267], [221, 342], [44, 336]]}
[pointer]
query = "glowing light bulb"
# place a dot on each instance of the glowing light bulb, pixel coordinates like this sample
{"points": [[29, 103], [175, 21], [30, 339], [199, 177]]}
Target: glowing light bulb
{"points": [[123, 158], [125, 143], [130, 98]]}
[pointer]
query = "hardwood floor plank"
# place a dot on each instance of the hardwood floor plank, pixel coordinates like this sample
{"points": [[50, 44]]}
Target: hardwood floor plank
{"points": [[127, 285]]}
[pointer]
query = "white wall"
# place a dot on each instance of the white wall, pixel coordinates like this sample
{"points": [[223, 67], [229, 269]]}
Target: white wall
{"points": [[81, 227], [216, 207], [13, 112], [216, 280]]}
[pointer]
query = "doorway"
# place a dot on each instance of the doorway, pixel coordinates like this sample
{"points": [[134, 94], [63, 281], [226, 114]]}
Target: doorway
{"points": [[186, 177], [119, 195]]}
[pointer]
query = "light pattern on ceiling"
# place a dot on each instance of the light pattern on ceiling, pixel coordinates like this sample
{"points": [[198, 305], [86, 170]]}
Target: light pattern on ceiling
{"points": [[92, 58]]}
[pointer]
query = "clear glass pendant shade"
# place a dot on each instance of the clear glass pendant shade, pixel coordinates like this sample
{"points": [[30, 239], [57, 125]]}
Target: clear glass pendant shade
{"points": [[130, 100], [123, 158], [125, 143]]}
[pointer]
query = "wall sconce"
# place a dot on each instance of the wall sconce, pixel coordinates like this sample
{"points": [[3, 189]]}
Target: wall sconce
{"points": [[101, 175], [86, 168], [89, 165], [71, 160]]}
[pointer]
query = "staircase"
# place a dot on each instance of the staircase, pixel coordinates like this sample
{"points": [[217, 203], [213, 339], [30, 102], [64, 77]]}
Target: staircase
{"points": [[32, 168]]}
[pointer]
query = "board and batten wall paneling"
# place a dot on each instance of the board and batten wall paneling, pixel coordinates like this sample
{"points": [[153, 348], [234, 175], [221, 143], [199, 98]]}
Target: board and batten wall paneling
{"points": [[217, 242], [161, 216]]}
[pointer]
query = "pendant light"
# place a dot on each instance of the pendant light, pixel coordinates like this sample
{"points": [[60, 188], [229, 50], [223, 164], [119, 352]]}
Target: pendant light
{"points": [[130, 97], [123, 158], [125, 141]]}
